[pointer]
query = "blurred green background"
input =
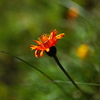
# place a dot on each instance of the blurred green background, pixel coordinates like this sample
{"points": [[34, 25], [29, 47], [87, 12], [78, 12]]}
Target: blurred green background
{"points": [[22, 21]]}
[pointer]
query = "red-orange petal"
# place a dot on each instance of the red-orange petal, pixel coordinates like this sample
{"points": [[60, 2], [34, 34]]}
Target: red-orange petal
{"points": [[44, 37], [33, 47], [60, 36], [41, 53], [52, 34], [36, 53], [38, 42]]}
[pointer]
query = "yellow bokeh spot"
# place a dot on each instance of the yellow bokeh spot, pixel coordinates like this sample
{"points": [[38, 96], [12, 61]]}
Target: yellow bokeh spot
{"points": [[82, 51]]}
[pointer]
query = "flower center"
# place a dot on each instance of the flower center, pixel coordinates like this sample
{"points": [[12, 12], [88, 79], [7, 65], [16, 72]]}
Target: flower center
{"points": [[44, 38]]}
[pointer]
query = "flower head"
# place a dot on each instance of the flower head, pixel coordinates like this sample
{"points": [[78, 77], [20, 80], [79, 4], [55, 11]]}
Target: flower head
{"points": [[73, 13], [82, 51], [46, 41]]}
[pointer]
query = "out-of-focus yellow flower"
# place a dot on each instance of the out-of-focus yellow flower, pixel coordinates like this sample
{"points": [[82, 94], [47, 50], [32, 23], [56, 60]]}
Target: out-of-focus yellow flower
{"points": [[82, 51]]}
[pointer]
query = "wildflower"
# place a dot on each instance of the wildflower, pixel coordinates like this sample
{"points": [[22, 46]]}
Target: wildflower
{"points": [[45, 42], [82, 51], [73, 13]]}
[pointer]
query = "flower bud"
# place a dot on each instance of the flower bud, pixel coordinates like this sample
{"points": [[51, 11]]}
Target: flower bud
{"points": [[52, 51]]}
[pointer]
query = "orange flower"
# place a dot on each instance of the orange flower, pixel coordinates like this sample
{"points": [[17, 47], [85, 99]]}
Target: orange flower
{"points": [[46, 41], [72, 13]]}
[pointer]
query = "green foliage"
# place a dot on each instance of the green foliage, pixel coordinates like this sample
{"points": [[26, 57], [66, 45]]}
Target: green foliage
{"points": [[22, 21]]}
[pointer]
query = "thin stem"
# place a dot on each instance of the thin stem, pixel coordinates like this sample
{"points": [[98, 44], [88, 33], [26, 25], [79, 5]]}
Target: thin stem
{"points": [[80, 83], [66, 73], [39, 71]]}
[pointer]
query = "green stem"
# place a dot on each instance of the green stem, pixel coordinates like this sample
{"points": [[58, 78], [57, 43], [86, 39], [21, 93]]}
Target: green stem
{"points": [[38, 71], [65, 72]]}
